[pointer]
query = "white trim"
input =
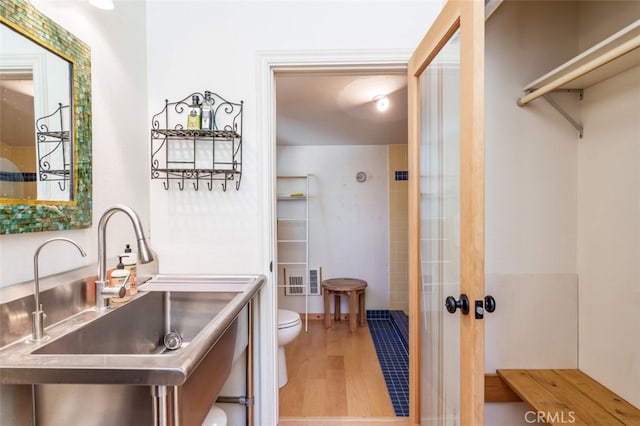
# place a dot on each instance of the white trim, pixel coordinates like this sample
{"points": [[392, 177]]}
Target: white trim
{"points": [[36, 64], [269, 62]]}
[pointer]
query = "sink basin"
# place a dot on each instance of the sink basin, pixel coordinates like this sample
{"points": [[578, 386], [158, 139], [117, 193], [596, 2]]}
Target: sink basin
{"points": [[139, 327], [125, 344]]}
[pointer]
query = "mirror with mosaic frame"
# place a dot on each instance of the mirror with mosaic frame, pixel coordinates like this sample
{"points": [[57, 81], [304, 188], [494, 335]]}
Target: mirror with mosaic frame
{"points": [[73, 209]]}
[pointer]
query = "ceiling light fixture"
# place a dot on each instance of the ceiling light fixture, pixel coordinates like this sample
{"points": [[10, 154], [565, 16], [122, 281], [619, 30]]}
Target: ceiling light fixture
{"points": [[102, 4], [382, 102]]}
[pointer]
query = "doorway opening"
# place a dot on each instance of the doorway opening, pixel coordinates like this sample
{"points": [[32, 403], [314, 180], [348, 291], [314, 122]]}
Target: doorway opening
{"points": [[341, 211]]}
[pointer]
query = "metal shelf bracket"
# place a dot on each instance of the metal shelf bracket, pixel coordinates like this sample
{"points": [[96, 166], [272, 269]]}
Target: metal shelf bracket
{"points": [[564, 113]]}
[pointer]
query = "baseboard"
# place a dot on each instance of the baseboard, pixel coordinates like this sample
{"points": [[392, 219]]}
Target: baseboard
{"points": [[313, 316]]}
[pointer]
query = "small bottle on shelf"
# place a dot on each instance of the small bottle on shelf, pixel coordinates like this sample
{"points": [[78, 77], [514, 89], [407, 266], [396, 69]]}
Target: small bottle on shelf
{"points": [[207, 112], [195, 114]]}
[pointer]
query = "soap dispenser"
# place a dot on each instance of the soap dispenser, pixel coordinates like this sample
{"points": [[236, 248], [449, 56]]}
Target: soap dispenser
{"points": [[119, 278], [130, 262]]}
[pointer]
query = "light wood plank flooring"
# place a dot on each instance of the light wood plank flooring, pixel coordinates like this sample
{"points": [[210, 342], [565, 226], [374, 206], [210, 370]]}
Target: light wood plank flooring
{"points": [[334, 373], [344, 421]]}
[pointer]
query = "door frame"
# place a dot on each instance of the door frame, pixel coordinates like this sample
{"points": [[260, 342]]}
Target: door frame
{"points": [[469, 17], [268, 64]]}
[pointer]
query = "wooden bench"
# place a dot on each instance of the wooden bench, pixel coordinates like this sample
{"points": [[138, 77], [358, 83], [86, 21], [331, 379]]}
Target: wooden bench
{"points": [[561, 397]]}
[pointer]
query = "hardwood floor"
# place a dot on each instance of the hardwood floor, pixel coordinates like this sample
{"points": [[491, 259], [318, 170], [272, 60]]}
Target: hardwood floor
{"points": [[333, 373], [344, 421]]}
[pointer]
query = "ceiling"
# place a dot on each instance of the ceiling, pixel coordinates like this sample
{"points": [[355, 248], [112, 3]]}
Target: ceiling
{"points": [[337, 108]]}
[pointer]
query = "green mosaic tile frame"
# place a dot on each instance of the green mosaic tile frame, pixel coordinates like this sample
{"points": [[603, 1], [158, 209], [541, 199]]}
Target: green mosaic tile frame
{"points": [[19, 216]]}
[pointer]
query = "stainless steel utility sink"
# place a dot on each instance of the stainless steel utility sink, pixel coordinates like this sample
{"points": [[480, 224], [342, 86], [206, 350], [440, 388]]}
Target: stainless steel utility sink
{"points": [[125, 345], [140, 327]]}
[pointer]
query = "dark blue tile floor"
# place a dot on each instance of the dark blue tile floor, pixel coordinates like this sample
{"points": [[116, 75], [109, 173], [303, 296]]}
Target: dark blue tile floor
{"points": [[389, 330]]}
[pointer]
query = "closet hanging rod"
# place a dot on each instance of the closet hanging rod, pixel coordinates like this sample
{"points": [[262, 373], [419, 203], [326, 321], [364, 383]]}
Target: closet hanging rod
{"points": [[626, 47], [539, 87]]}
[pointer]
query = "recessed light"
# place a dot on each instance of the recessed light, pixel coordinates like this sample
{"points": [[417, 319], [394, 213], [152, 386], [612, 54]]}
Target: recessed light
{"points": [[382, 102]]}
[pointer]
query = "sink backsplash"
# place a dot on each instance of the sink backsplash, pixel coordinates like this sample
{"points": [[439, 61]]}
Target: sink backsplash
{"points": [[61, 295], [58, 303]]}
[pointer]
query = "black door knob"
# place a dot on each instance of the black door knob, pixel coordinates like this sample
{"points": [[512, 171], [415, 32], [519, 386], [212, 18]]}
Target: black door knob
{"points": [[452, 304], [489, 303]]}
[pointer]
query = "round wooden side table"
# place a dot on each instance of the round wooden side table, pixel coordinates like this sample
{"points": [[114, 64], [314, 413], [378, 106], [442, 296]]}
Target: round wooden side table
{"points": [[352, 287]]}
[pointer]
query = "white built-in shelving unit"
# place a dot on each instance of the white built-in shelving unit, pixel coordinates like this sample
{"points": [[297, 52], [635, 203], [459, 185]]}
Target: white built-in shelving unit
{"points": [[293, 237]]}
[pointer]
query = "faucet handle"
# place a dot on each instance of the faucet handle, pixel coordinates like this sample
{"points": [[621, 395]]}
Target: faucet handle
{"points": [[108, 292], [114, 292], [126, 280], [122, 291]]}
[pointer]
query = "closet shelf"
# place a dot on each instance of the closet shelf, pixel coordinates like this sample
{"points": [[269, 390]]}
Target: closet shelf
{"points": [[290, 198], [615, 54]]}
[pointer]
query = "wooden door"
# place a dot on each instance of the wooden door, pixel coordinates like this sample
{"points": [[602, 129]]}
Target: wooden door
{"points": [[446, 219]]}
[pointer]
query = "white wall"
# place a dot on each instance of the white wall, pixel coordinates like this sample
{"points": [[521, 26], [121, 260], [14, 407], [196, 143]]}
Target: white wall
{"points": [[609, 234], [531, 155], [531, 151], [120, 137], [531, 197], [348, 220], [609, 215]]}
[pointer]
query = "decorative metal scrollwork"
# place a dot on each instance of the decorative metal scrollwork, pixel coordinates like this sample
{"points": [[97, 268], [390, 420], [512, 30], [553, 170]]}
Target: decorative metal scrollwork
{"points": [[211, 154], [55, 155]]}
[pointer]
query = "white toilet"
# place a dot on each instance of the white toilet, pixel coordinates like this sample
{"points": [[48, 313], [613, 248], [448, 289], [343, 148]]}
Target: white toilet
{"points": [[216, 417], [289, 326]]}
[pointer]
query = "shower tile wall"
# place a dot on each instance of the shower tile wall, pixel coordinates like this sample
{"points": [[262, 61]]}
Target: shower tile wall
{"points": [[398, 228]]}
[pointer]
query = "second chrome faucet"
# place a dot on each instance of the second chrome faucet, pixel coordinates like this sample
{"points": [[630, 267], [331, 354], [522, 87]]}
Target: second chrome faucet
{"points": [[37, 330]]}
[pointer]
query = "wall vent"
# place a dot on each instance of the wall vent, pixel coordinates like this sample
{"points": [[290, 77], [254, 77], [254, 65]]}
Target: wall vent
{"points": [[295, 284], [314, 281]]}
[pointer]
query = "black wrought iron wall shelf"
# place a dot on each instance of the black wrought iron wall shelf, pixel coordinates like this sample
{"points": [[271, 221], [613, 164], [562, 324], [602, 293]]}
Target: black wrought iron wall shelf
{"points": [[198, 155], [55, 154]]}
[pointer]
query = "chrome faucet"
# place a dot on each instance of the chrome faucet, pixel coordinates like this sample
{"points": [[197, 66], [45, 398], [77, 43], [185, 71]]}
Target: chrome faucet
{"points": [[103, 291], [37, 329]]}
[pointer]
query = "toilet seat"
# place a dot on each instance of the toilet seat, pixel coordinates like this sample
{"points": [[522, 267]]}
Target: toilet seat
{"points": [[288, 319]]}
